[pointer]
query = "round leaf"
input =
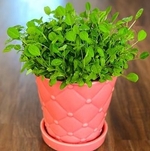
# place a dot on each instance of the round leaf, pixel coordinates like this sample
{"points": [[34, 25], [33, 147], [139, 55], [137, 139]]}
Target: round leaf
{"points": [[52, 36], [71, 36], [47, 10], [100, 51], [142, 35], [84, 27], [69, 7], [132, 77], [13, 33], [60, 11], [34, 50], [84, 35], [144, 55], [56, 62]]}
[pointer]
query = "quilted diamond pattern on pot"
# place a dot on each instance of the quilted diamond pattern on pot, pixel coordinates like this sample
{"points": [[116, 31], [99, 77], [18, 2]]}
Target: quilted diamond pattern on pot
{"points": [[100, 98], [81, 114], [71, 126], [52, 106], [57, 130], [95, 122], [83, 133], [71, 102], [75, 114]]}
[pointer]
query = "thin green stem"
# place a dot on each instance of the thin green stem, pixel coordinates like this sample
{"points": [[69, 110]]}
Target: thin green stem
{"points": [[132, 24]]}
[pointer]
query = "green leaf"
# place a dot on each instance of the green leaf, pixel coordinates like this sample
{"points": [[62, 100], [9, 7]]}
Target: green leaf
{"points": [[17, 47], [83, 14], [60, 11], [58, 29], [115, 16], [47, 10], [94, 17], [19, 27], [139, 13], [102, 16], [8, 48], [71, 36], [29, 71], [142, 35], [34, 50], [27, 66], [31, 30], [144, 55], [38, 21], [80, 82], [30, 23], [69, 7], [100, 51], [89, 51], [83, 35], [69, 20], [63, 85], [8, 41], [104, 28], [52, 36], [89, 41], [89, 83], [93, 76], [75, 77], [102, 61], [132, 77], [26, 52], [86, 60], [108, 10], [84, 27], [127, 19], [50, 69], [88, 6], [76, 29], [13, 32], [54, 48], [52, 81], [61, 39], [63, 47], [94, 69], [56, 62]]}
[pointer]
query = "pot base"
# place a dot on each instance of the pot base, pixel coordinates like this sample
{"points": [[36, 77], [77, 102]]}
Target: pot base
{"points": [[61, 146]]}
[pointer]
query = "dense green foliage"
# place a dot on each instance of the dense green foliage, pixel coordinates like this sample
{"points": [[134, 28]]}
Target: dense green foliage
{"points": [[78, 48]]}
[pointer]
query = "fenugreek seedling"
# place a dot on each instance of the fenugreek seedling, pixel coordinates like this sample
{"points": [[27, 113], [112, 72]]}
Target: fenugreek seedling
{"points": [[78, 48]]}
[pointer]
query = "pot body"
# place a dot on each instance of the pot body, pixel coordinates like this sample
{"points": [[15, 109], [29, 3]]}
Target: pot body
{"points": [[75, 114]]}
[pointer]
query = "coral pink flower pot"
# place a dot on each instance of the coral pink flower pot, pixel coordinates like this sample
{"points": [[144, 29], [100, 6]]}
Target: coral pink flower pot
{"points": [[74, 118]]}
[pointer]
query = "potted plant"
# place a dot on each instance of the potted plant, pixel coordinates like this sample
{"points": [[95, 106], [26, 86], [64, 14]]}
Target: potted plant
{"points": [[76, 59]]}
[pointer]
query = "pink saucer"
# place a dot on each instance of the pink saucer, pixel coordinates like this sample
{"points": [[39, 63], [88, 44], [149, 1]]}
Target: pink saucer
{"points": [[61, 146]]}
